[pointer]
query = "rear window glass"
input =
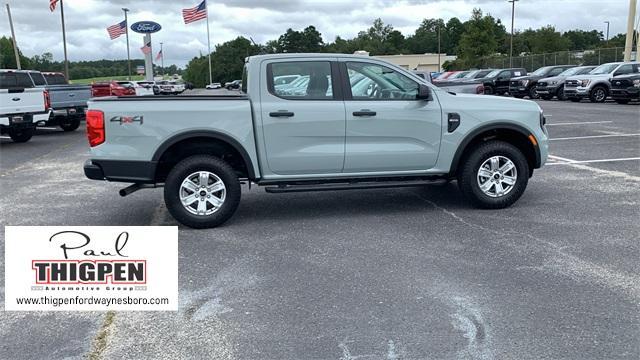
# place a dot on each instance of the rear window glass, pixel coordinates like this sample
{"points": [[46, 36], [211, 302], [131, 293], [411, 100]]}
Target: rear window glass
{"points": [[38, 79], [15, 80], [55, 79]]}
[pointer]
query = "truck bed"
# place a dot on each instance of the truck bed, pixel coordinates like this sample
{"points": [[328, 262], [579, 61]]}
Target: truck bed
{"points": [[69, 96]]}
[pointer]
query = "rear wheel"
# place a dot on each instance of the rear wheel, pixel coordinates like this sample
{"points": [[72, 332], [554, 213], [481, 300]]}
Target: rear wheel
{"points": [[21, 135], [70, 123], [598, 94], [202, 191], [494, 175]]}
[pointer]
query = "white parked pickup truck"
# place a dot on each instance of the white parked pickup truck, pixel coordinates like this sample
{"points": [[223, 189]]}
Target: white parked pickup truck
{"points": [[19, 102]]}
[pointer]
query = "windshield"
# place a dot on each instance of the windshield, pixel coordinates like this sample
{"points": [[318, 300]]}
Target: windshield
{"points": [[541, 71], [471, 74], [572, 71], [494, 73], [55, 79], [604, 69]]}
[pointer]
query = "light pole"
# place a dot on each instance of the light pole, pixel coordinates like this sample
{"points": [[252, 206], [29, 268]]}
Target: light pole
{"points": [[127, 33], [607, 38], [513, 11]]}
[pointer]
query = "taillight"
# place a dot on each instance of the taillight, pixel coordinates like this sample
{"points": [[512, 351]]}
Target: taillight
{"points": [[95, 127], [480, 89], [47, 101]]}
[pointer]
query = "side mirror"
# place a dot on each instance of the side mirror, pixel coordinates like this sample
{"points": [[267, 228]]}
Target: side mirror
{"points": [[424, 93]]}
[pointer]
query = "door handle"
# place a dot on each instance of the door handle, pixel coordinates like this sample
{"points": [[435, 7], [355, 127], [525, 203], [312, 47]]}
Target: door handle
{"points": [[281, 113], [364, 113]]}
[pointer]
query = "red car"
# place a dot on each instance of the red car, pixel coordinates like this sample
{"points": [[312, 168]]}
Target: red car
{"points": [[445, 75], [112, 88]]}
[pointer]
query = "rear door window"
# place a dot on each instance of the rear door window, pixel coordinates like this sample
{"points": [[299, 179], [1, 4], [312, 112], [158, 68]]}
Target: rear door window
{"points": [[38, 78], [313, 83], [13, 80]]}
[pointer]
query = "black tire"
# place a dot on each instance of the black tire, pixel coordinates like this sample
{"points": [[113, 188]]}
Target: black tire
{"points": [[533, 93], [488, 90], [70, 123], [202, 163], [470, 165], [21, 135], [574, 99], [598, 94], [560, 94], [622, 101]]}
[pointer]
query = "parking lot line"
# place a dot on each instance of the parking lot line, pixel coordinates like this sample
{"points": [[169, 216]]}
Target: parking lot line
{"points": [[593, 137], [580, 123], [565, 161]]}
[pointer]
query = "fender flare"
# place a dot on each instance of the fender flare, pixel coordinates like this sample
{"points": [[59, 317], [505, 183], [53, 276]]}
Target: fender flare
{"points": [[214, 135], [493, 126]]}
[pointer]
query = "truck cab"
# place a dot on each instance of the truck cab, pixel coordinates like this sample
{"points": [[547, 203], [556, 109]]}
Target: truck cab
{"points": [[20, 102], [357, 122]]}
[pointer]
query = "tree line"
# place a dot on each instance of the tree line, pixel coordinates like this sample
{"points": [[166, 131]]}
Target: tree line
{"points": [[473, 40], [77, 69]]}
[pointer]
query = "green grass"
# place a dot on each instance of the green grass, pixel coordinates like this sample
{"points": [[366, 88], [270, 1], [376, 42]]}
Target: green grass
{"points": [[106, 78]]}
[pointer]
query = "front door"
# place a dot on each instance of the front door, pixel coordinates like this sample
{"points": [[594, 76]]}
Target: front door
{"points": [[388, 129], [303, 121]]}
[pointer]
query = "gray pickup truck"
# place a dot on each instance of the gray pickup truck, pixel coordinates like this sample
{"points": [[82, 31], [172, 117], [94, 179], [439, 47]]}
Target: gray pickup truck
{"points": [[68, 102], [360, 123]]}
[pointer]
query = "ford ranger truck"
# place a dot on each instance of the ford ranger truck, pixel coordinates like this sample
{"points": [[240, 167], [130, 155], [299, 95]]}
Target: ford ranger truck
{"points": [[19, 103], [595, 85], [359, 123]]}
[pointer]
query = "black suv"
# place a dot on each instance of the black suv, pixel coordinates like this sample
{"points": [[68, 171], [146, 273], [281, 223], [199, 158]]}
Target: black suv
{"points": [[526, 85], [497, 81], [625, 88]]}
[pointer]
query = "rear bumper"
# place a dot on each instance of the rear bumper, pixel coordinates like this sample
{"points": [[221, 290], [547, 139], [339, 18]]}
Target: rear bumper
{"points": [[122, 171]]}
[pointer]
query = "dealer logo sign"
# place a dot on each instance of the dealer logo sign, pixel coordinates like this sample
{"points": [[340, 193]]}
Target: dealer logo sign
{"points": [[91, 268]]}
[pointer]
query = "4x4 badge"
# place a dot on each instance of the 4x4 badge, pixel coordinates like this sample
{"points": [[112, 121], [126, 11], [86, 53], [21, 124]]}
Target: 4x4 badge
{"points": [[127, 119]]}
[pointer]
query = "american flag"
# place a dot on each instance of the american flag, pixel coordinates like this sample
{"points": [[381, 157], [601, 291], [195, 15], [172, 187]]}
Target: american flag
{"points": [[117, 29], [146, 49], [159, 56], [52, 4], [195, 13]]}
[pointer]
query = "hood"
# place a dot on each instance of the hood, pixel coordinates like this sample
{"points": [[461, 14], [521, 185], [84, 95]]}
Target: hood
{"points": [[527, 77], [491, 103], [589, 77], [551, 79]]}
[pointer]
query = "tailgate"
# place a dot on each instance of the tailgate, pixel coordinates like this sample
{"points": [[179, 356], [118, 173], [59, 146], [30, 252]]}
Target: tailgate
{"points": [[20, 101], [66, 96]]}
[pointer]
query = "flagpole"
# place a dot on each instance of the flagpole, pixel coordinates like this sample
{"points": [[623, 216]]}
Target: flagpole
{"points": [[208, 41], [127, 33], [162, 61], [64, 43]]}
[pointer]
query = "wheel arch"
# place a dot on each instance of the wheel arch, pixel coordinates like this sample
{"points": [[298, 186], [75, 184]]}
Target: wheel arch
{"points": [[512, 133], [202, 142]]}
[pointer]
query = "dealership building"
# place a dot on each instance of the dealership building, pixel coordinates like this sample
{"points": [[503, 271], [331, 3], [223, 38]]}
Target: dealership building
{"points": [[424, 62]]}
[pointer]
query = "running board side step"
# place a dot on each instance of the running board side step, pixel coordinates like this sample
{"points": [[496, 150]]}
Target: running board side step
{"points": [[351, 186]]}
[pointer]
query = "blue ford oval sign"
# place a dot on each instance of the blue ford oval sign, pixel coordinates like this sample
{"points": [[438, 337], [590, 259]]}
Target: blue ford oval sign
{"points": [[146, 27]]}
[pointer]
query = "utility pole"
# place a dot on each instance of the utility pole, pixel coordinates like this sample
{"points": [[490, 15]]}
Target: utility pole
{"points": [[127, 34], [607, 38], [439, 63], [513, 11], [64, 43], [630, 31], [162, 60], [13, 39]]}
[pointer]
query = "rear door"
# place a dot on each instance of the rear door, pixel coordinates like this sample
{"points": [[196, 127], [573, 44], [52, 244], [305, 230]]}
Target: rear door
{"points": [[303, 122], [388, 129]]}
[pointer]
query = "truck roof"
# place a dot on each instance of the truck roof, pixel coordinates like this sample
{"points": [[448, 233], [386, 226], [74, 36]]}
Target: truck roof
{"points": [[299, 55]]}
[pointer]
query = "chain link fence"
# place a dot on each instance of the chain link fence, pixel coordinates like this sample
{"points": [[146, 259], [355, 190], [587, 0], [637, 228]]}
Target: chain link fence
{"points": [[578, 57]]}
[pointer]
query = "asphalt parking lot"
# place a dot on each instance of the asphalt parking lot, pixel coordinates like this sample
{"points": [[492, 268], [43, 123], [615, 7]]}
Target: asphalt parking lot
{"points": [[410, 273]]}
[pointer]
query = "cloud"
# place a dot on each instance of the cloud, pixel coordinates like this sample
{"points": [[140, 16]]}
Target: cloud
{"points": [[38, 30]]}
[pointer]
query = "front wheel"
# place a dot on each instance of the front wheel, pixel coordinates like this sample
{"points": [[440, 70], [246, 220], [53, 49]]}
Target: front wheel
{"points": [[202, 191], [560, 94], [598, 94], [21, 135], [494, 175], [533, 93]]}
